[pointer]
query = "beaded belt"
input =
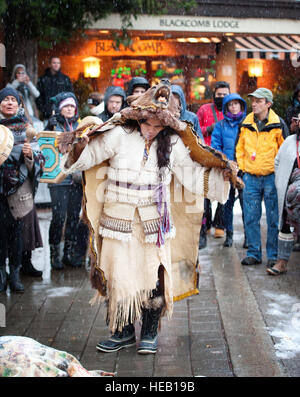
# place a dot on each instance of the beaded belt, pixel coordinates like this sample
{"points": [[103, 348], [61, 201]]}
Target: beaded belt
{"points": [[127, 185]]}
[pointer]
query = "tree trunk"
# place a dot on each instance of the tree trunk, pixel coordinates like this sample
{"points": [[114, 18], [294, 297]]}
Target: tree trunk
{"points": [[20, 50]]}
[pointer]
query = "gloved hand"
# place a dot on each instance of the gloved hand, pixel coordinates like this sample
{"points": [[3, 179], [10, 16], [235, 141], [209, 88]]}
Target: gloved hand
{"points": [[210, 129], [52, 122]]}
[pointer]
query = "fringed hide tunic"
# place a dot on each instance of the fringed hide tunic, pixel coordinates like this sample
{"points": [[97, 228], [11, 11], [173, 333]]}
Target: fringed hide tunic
{"points": [[130, 221]]}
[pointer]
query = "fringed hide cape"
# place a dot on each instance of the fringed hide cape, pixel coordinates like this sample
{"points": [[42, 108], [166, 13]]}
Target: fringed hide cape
{"points": [[139, 222]]}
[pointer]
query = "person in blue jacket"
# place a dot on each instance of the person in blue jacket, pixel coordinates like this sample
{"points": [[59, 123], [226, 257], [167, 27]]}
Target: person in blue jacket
{"points": [[223, 139], [186, 115]]}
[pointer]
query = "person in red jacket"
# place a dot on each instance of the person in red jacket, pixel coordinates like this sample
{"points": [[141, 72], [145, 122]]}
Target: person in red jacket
{"points": [[208, 115]]}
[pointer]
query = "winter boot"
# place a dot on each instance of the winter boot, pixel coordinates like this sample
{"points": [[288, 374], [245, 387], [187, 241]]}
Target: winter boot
{"points": [[3, 278], [202, 241], [245, 244], [77, 260], [296, 247], [280, 267], [229, 239], [118, 340], [54, 257], [68, 252], [150, 320], [27, 268], [15, 283], [219, 233]]}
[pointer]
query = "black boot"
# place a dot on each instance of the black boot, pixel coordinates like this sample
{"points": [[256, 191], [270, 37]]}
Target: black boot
{"points": [[202, 241], [15, 283], [118, 340], [229, 239], [3, 278], [68, 252], [55, 257], [27, 268], [296, 247], [150, 320], [77, 260]]}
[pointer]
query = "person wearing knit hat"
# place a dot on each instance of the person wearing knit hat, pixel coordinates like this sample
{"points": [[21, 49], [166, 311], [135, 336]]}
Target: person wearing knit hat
{"points": [[67, 102], [21, 82], [65, 112], [9, 91], [19, 177]]}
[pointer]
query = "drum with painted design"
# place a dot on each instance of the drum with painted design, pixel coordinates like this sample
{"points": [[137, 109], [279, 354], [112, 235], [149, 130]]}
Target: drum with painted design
{"points": [[6, 143], [52, 172]]}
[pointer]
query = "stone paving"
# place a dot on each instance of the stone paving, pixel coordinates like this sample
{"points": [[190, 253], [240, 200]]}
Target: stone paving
{"points": [[55, 310]]}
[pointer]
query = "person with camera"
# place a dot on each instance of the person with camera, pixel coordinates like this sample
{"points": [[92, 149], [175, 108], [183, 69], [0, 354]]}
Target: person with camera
{"points": [[21, 82]]}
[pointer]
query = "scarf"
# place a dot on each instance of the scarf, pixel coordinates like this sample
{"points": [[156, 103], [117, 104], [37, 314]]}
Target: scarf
{"points": [[234, 116], [160, 197], [13, 172]]}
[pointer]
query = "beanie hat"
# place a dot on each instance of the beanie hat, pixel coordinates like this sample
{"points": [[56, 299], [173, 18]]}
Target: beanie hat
{"points": [[66, 102], [9, 91]]}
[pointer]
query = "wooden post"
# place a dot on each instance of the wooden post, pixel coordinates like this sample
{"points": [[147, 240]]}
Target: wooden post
{"points": [[226, 64]]}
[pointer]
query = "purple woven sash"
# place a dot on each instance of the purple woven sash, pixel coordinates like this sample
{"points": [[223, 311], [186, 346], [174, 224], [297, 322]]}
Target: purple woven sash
{"points": [[160, 198]]}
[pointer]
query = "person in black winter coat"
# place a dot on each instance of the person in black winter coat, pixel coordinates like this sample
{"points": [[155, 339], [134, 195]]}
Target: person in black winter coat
{"points": [[292, 125], [114, 100], [66, 196], [50, 84]]}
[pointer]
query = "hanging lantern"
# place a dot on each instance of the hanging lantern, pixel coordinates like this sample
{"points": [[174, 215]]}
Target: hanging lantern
{"points": [[255, 68], [91, 67]]}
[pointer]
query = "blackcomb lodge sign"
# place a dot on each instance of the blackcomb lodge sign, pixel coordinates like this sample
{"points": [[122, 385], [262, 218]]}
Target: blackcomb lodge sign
{"points": [[199, 23], [202, 24]]}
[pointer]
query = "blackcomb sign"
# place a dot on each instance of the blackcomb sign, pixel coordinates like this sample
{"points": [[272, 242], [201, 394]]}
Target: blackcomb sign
{"points": [[200, 23]]}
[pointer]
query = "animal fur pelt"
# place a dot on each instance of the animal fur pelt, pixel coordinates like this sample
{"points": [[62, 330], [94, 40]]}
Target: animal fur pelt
{"points": [[156, 102]]}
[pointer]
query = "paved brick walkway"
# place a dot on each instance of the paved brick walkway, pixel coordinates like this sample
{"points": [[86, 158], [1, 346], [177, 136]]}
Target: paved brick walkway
{"points": [[212, 334], [56, 312]]}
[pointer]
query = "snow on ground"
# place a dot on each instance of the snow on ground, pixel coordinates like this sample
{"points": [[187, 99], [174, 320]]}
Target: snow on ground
{"points": [[59, 291], [286, 309]]}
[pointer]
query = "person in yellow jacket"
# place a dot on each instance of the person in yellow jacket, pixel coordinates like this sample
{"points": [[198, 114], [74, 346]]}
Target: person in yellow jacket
{"points": [[260, 137]]}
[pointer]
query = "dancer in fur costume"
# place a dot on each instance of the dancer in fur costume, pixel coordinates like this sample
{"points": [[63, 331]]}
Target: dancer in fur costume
{"points": [[145, 237]]}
